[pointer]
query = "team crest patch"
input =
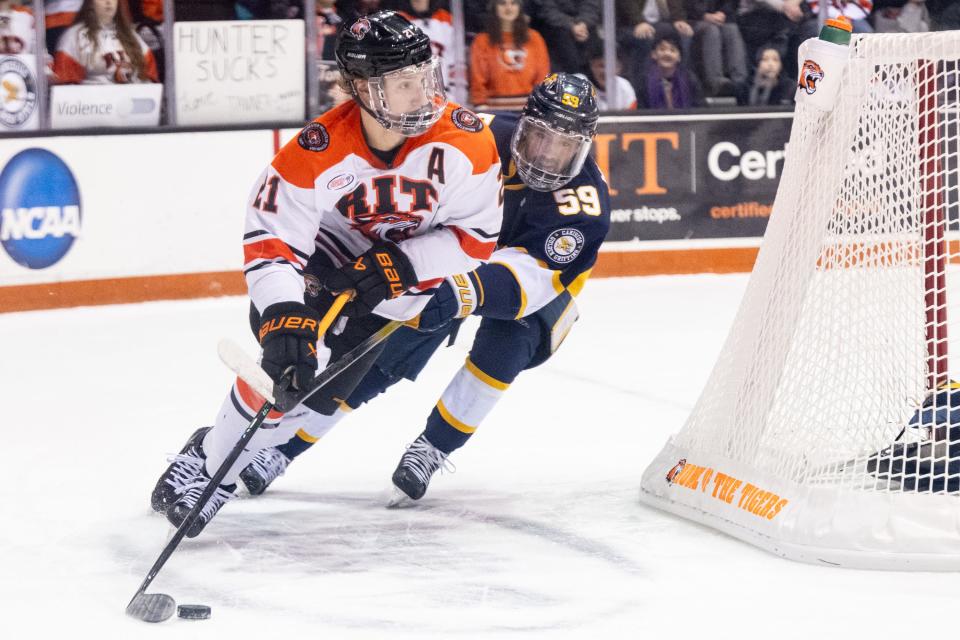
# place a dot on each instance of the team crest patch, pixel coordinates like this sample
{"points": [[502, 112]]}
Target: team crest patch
{"points": [[312, 285], [810, 74], [314, 137], [564, 245], [466, 120], [339, 182], [360, 28]]}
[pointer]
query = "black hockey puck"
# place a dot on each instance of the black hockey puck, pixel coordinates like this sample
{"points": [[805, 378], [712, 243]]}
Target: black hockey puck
{"points": [[193, 611]]}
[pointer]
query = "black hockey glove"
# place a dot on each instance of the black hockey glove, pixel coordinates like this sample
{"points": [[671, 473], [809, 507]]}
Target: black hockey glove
{"points": [[288, 336], [382, 272], [457, 297]]}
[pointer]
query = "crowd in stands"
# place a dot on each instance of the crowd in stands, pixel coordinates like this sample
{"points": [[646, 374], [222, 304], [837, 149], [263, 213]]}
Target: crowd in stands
{"points": [[671, 54]]}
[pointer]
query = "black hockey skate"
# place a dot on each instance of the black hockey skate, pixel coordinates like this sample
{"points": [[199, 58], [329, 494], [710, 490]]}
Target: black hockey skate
{"points": [[417, 466], [268, 465], [178, 512], [184, 469]]}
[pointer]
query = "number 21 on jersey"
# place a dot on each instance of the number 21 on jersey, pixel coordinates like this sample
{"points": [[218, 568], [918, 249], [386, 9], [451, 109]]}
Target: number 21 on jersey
{"points": [[268, 204], [571, 202]]}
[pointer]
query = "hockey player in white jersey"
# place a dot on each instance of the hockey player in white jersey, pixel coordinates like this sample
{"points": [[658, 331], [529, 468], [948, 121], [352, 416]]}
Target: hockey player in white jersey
{"points": [[556, 216], [385, 195]]}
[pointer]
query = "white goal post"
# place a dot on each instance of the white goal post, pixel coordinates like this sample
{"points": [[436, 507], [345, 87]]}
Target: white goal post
{"points": [[811, 438]]}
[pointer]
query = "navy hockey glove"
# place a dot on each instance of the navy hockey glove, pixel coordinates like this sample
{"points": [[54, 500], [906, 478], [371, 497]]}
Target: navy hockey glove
{"points": [[382, 272], [288, 336], [457, 297]]}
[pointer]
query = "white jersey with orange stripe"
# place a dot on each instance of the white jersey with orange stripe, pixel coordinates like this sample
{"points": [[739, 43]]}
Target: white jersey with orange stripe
{"points": [[440, 201], [439, 28], [79, 59], [61, 13]]}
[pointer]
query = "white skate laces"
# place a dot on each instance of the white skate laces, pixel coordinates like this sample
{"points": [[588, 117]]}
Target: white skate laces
{"points": [[423, 459], [191, 493], [270, 464], [187, 467]]}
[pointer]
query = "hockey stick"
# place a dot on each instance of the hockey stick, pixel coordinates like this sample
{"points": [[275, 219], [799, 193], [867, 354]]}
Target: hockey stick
{"points": [[157, 607]]}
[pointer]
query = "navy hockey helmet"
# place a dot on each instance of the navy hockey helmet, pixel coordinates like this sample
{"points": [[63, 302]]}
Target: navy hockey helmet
{"points": [[556, 128], [404, 83]]}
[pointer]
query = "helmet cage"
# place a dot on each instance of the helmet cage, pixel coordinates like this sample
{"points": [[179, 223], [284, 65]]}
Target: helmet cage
{"points": [[384, 89], [546, 157]]}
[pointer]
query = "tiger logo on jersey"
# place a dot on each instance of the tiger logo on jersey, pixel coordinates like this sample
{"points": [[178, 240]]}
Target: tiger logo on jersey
{"points": [[810, 74], [395, 226]]}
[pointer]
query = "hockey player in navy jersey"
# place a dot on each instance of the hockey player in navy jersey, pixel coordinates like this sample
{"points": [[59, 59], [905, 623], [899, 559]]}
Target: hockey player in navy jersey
{"points": [[556, 214]]}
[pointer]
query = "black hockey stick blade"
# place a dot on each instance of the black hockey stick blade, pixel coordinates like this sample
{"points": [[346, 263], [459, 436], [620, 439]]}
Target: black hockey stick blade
{"points": [[181, 531], [157, 607], [151, 607]]}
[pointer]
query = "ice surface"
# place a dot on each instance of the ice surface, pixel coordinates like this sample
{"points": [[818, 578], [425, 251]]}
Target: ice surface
{"points": [[539, 534]]}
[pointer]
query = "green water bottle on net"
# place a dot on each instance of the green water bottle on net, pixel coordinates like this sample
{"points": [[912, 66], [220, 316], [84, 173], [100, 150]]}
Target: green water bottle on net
{"points": [[822, 61]]}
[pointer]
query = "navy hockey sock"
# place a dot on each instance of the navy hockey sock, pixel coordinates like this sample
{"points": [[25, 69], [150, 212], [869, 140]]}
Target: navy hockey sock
{"points": [[296, 445], [442, 434]]}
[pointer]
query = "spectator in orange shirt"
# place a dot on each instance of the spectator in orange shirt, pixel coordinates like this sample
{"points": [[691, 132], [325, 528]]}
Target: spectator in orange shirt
{"points": [[507, 59]]}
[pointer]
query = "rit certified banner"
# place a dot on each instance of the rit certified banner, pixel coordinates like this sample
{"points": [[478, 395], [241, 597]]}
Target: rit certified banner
{"points": [[692, 176]]}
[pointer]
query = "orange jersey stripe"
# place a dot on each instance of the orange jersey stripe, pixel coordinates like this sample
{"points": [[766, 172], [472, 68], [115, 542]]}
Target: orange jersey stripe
{"points": [[429, 284], [268, 249], [150, 66], [67, 70], [440, 15], [254, 400], [55, 20], [479, 147], [471, 246], [300, 167]]}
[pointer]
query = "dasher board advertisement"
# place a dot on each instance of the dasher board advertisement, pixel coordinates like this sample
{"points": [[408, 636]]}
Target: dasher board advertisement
{"points": [[74, 106], [692, 176]]}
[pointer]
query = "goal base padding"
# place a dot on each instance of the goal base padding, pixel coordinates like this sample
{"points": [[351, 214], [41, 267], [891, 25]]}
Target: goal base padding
{"points": [[822, 525]]}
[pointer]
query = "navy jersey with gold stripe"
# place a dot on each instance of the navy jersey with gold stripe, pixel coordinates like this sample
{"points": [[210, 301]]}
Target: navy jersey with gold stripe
{"points": [[533, 274], [548, 240]]}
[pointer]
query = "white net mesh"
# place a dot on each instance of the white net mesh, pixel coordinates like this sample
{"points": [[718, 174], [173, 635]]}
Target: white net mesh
{"points": [[841, 335]]}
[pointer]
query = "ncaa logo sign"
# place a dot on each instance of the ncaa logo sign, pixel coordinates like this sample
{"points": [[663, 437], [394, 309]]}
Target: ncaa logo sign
{"points": [[39, 208]]}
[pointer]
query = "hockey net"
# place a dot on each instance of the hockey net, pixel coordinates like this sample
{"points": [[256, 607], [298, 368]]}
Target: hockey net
{"points": [[820, 434]]}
